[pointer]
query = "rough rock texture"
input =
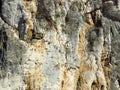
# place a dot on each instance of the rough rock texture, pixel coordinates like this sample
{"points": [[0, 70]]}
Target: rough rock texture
{"points": [[59, 45]]}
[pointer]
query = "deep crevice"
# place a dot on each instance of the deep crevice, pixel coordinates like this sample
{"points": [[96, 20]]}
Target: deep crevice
{"points": [[0, 8], [37, 35], [119, 82], [93, 85], [62, 83], [102, 87], [21, 28], [78, 84], [43, 13], [3, 51]]}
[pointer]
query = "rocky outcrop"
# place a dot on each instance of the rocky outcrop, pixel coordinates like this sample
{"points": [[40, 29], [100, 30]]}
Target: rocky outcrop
{"points": [[59, 45]]}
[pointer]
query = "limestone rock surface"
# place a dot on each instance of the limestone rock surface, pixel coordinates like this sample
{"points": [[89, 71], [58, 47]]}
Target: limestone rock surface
{"points": [[59, 45]]}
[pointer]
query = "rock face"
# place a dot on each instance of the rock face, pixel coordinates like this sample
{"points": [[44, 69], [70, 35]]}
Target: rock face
{"points": [[59, 45]]}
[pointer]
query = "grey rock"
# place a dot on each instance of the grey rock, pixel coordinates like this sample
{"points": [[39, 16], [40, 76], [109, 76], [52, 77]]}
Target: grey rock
{"points": [[65, 51], [12, 11]]}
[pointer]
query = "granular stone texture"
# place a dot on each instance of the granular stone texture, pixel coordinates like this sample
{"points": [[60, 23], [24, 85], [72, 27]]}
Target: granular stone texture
{"points": [[59, 45]]}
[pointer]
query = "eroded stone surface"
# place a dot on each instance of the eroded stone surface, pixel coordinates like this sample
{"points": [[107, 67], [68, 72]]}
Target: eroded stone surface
{"points": [[66, 45]]}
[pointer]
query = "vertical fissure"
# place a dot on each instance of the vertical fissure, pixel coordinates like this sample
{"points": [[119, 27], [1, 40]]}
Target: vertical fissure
{"points": [[3, 52]]}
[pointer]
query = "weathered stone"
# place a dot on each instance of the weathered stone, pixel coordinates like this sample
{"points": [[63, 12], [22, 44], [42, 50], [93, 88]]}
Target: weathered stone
{"points": [[59, 45]]}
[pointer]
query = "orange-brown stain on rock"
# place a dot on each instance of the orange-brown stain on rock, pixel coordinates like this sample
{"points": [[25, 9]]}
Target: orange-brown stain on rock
{"points": [[34, 77], [82, 45], [30, 9], [69, 82], [30, 5], [65, 81], [107, 67], [33, 80], [40, 46], [83, 54]]}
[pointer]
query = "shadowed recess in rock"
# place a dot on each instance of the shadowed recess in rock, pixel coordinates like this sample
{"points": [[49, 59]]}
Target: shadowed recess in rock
{"points": [[0, 7], [78, 84], [21, 28], [3, 49], [43, 13], [110, 11]]}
